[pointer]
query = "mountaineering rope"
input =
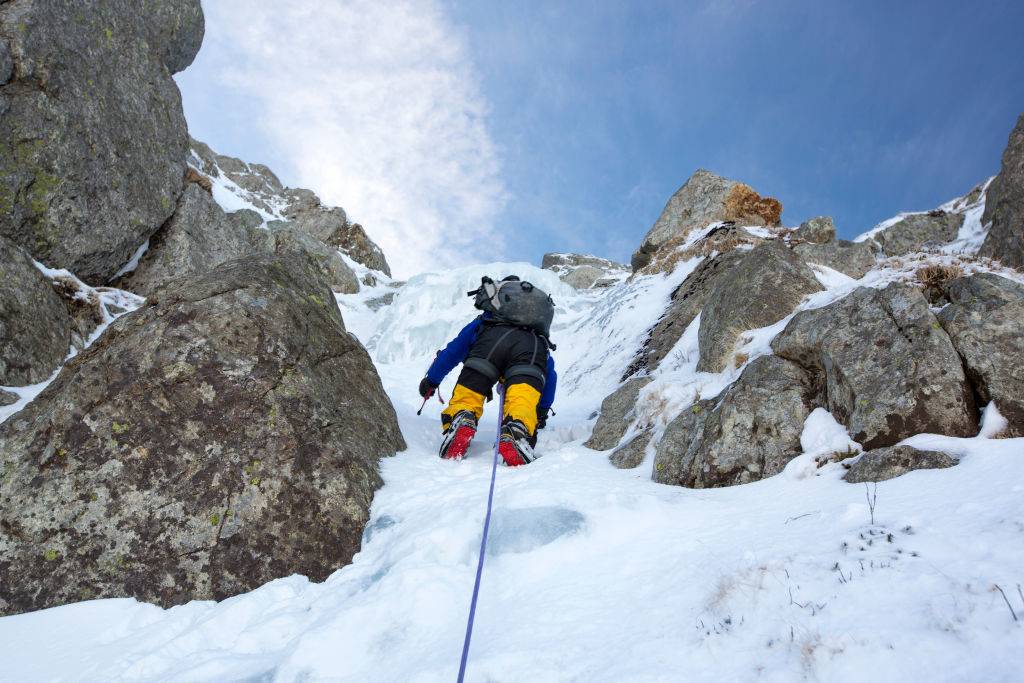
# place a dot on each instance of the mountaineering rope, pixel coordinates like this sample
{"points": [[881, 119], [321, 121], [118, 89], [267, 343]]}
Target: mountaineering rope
{"points": [[483, 541]]}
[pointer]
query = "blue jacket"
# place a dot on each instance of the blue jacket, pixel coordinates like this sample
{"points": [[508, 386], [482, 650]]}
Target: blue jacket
{"points": [[458, 349]]}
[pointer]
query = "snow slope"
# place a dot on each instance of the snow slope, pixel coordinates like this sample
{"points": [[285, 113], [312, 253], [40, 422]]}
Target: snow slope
{"points": [[598, 574]]}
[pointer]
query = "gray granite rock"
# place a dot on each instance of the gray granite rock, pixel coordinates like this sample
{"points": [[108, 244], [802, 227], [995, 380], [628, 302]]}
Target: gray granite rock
{"points": [[35, 328], [820, 230], [687, 301], [580, 271], [1004, 205], [887, 463], [700, 201], [300, 207], [888, 368], [93, 140], [198, 237], [761, 289], [851, 258], [6, 62], [226, 434], [339, 276], [632, 453], [616, 411], [704, 199], [917, 230], [749, 432], [985, 321]]}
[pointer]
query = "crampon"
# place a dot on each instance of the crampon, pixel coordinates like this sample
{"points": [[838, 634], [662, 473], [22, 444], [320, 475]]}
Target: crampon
{"points": [[515, 445], [458, 436]]}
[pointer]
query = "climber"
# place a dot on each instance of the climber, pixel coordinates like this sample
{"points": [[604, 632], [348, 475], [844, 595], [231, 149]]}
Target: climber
{"points": [[509, 343]]}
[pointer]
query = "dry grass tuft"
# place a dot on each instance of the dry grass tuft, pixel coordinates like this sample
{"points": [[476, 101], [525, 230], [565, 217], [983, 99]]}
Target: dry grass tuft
{"points": [[740, 359], [747, 207], [194, 176], [935, 278]]}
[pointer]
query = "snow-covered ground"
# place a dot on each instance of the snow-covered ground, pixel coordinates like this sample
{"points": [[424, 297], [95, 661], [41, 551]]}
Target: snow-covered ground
{"points": [[594, 573]]}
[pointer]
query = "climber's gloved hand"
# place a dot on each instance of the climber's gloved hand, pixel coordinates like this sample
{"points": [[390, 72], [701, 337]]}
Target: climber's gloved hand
{"points": [[542, 417], [427, 388]]}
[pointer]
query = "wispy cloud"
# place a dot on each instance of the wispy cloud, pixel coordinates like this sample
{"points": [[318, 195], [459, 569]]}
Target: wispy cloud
{"points": [[376, 106]]}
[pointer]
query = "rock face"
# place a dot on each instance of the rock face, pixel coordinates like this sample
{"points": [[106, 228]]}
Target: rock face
{"points": [[851, 258], [226, 434], [916, 230], [985, 321], [631, 454], [763, 288], [1004, 206], [325, 224], [198, 237], [704, 199], [290, 239], [613, 420], [93, 140], [687, 301], [35, 328], [6, 63], [584, 272], [888, 368], [818, 230], [301, 208], [888, 463], [747, 433]]}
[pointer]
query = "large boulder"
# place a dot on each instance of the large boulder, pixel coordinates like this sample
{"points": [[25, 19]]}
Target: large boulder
{"points": [[632, 453], [761, 289], [917, 230], [888, 368], [1004, 205], [35, 328], [616, 411], [985, 321], [704, 199], [851, 258], [198, 237], [93, 139], [887, 463], [686, 302], [819, 230], [747, 433], [224, 435]]}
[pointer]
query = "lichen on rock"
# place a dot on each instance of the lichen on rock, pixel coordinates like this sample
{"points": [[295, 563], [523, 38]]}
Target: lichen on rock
{"points": [[156, 427]]}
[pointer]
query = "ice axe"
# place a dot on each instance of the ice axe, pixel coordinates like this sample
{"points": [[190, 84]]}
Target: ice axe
{"points": [[427, 398]]}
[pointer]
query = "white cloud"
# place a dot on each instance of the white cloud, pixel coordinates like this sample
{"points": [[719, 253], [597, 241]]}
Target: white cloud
{"points": [[376, 107]]}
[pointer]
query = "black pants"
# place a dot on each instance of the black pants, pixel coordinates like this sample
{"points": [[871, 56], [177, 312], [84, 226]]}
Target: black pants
{"points": [[518, 355]]}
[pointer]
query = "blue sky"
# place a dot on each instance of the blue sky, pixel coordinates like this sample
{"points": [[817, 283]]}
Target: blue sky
{"points": [[481, 130]]}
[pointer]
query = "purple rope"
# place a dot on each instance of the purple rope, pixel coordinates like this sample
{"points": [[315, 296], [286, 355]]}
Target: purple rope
{"points": [[483, 541]]}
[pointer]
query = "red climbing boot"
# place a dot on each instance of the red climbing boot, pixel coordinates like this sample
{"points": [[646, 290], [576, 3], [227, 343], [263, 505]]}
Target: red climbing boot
{"points": [[516, 444], [458, 436]]}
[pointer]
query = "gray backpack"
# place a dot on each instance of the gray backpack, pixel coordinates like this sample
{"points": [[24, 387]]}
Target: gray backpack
{"points": [[515, 302]]}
